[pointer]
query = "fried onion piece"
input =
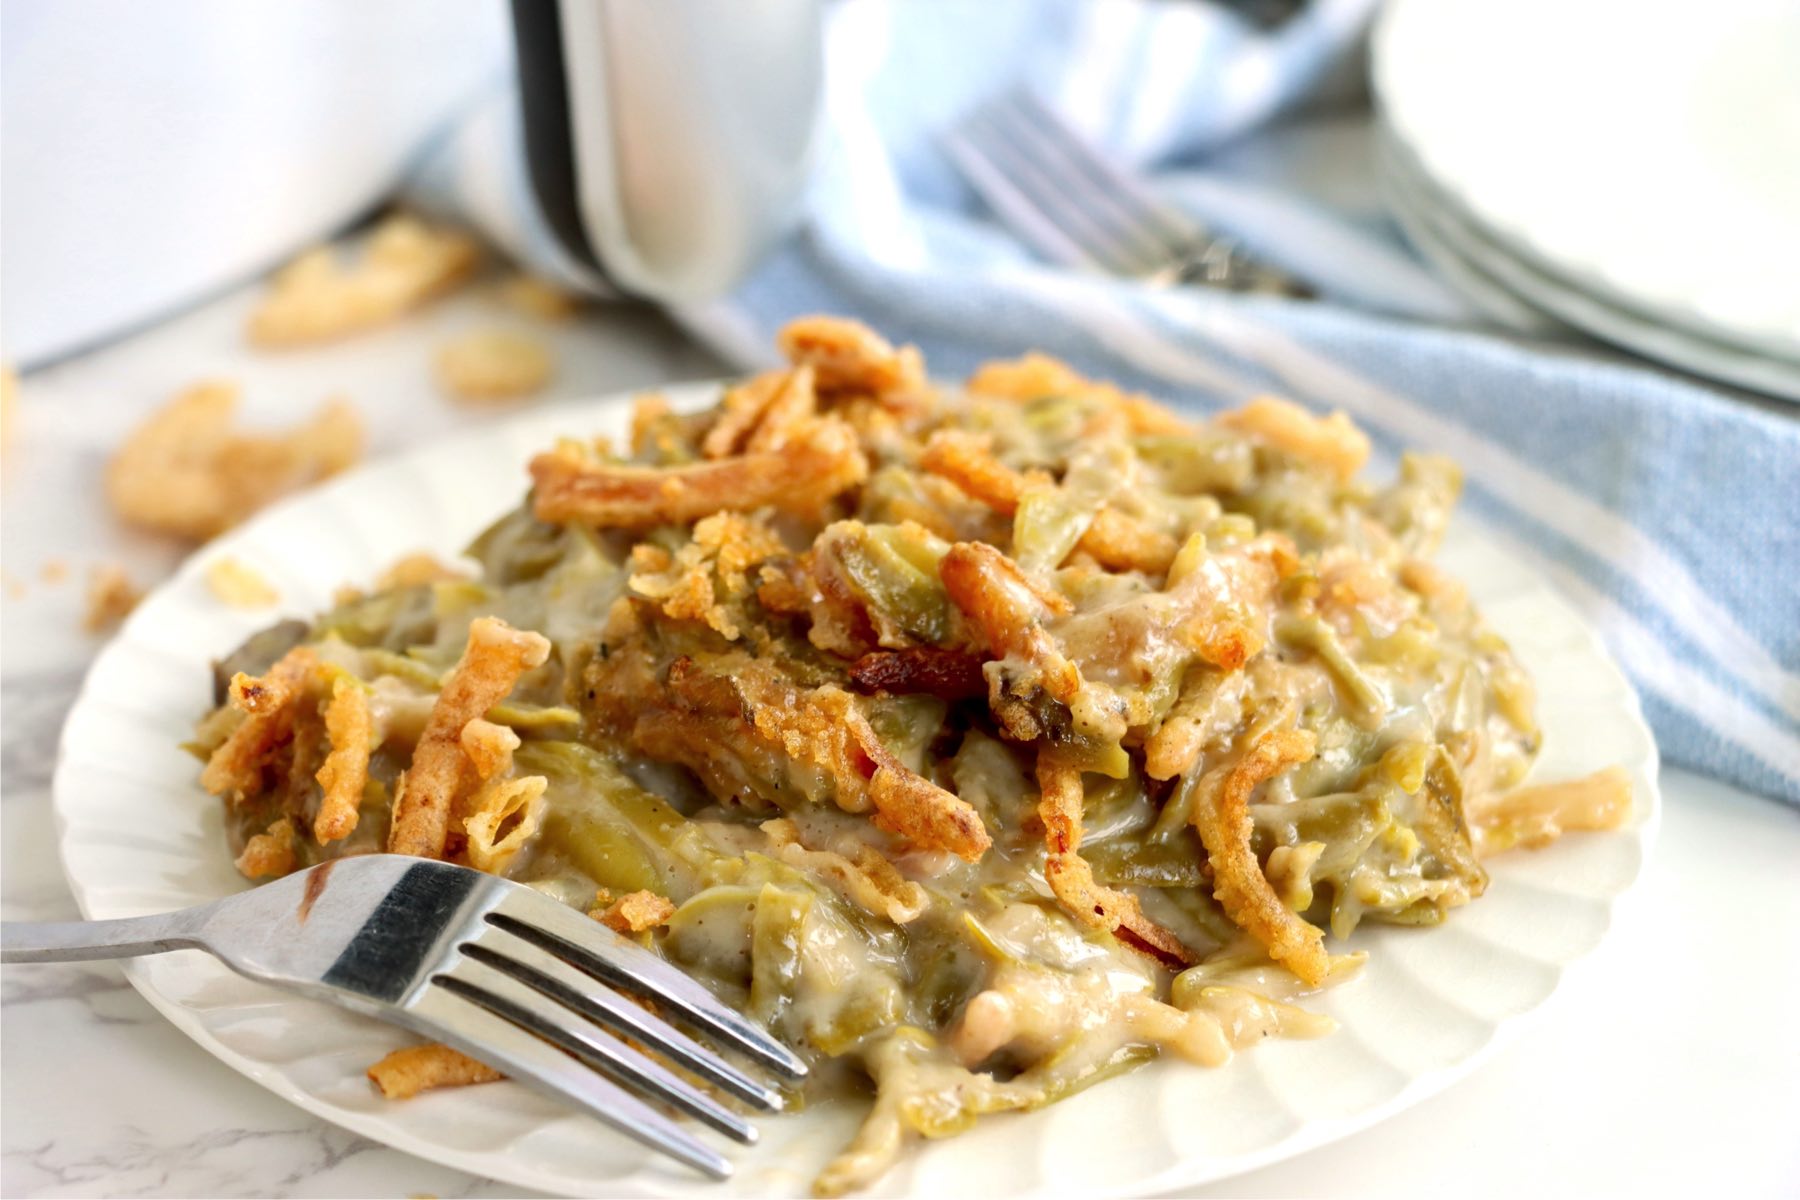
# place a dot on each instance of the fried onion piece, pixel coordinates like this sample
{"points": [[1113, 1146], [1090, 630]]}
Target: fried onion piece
{"points": [[849, 357], [863, 876], [345, 772], [268, 707], [926, 670], [635, 912], [822, 460], [186, 471], [503, 815], [1334, 442], [488, 365], [1221, 816], [491, 664], [1072, 880], [1117, 540], [317, 298], [1009, 610], [238, 584], [762, 412], [405, 1073], [271, 852], [489, 747], [1536, 816], [110, 598]]}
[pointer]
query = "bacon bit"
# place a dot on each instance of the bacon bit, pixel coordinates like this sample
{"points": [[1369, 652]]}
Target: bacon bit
{"points": [[1222, 818], [268, 704], [1333, 441], [345, 773], [927, 670], [269, 853], [495, 657], [636, 912], [1072, 880], [405, 1073], [820, 463], [849, 357]]}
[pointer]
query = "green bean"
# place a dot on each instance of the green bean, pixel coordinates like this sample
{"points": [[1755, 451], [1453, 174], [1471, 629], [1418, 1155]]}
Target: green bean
{"points": [[777, 933]]}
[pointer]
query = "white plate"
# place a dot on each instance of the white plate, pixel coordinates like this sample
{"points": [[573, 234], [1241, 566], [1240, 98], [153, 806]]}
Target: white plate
{"points": [[1530, 300], [1645, 149], [139, 836]]}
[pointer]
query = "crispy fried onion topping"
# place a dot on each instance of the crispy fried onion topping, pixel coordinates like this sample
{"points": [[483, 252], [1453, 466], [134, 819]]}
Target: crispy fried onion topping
{"points": [[405, 1073], [1036, 376], [1333, 441], [1072, 880], [862, 876], [271, 852], [345, 772], [740, 723], [316, 297], [1221, 816], [495, 657], [1009, 608], [821, 460], [188, 472], [702, 580], [634, 912], [1116, 540], [849, 357], [763, 414], [503, 816], [268, 704]]}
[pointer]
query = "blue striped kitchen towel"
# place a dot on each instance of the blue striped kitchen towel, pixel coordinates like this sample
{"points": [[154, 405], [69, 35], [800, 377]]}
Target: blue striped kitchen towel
{"points": [[1668, 511]]}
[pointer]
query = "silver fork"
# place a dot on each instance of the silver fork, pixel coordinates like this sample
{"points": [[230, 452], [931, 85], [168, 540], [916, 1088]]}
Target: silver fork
{"points": [[1065, 199], [498, 971]]}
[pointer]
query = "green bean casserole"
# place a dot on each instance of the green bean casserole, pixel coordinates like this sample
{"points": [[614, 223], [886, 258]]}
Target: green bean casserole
{"points": [[981, 741]]}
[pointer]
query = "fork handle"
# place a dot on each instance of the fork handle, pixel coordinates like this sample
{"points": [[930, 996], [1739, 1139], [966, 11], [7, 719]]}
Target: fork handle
{"points": [[74, 941]]}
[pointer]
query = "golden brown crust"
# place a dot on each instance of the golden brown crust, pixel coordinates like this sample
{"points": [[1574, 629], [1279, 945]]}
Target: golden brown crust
{"points": [[1222, 818], [345, 773], [819, 463], [317, 298], [849, 357], [270, 853], [268, 703], [1333, 441], [494, 659], [405, 1073], [636, 912], [1072, 880]]}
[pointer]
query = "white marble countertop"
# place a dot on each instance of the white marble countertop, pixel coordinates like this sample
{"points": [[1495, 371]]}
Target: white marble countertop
{"points": [[1669, 1064]]}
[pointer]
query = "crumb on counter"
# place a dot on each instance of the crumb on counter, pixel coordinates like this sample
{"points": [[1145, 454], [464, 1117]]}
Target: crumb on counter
{"points": [[494, 364], [318, 297], [110, 598], [189, 472], [536, 296]]}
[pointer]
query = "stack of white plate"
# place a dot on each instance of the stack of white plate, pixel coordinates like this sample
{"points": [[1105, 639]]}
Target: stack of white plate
{"points": [[1628, 168]]}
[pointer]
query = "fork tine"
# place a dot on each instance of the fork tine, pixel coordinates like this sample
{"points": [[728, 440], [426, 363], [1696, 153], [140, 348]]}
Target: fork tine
{"points": [[591, 946], [1111, 187], [544, 972], [1072, 174], [503, 995], [503, 1045], [1023, 194]]}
